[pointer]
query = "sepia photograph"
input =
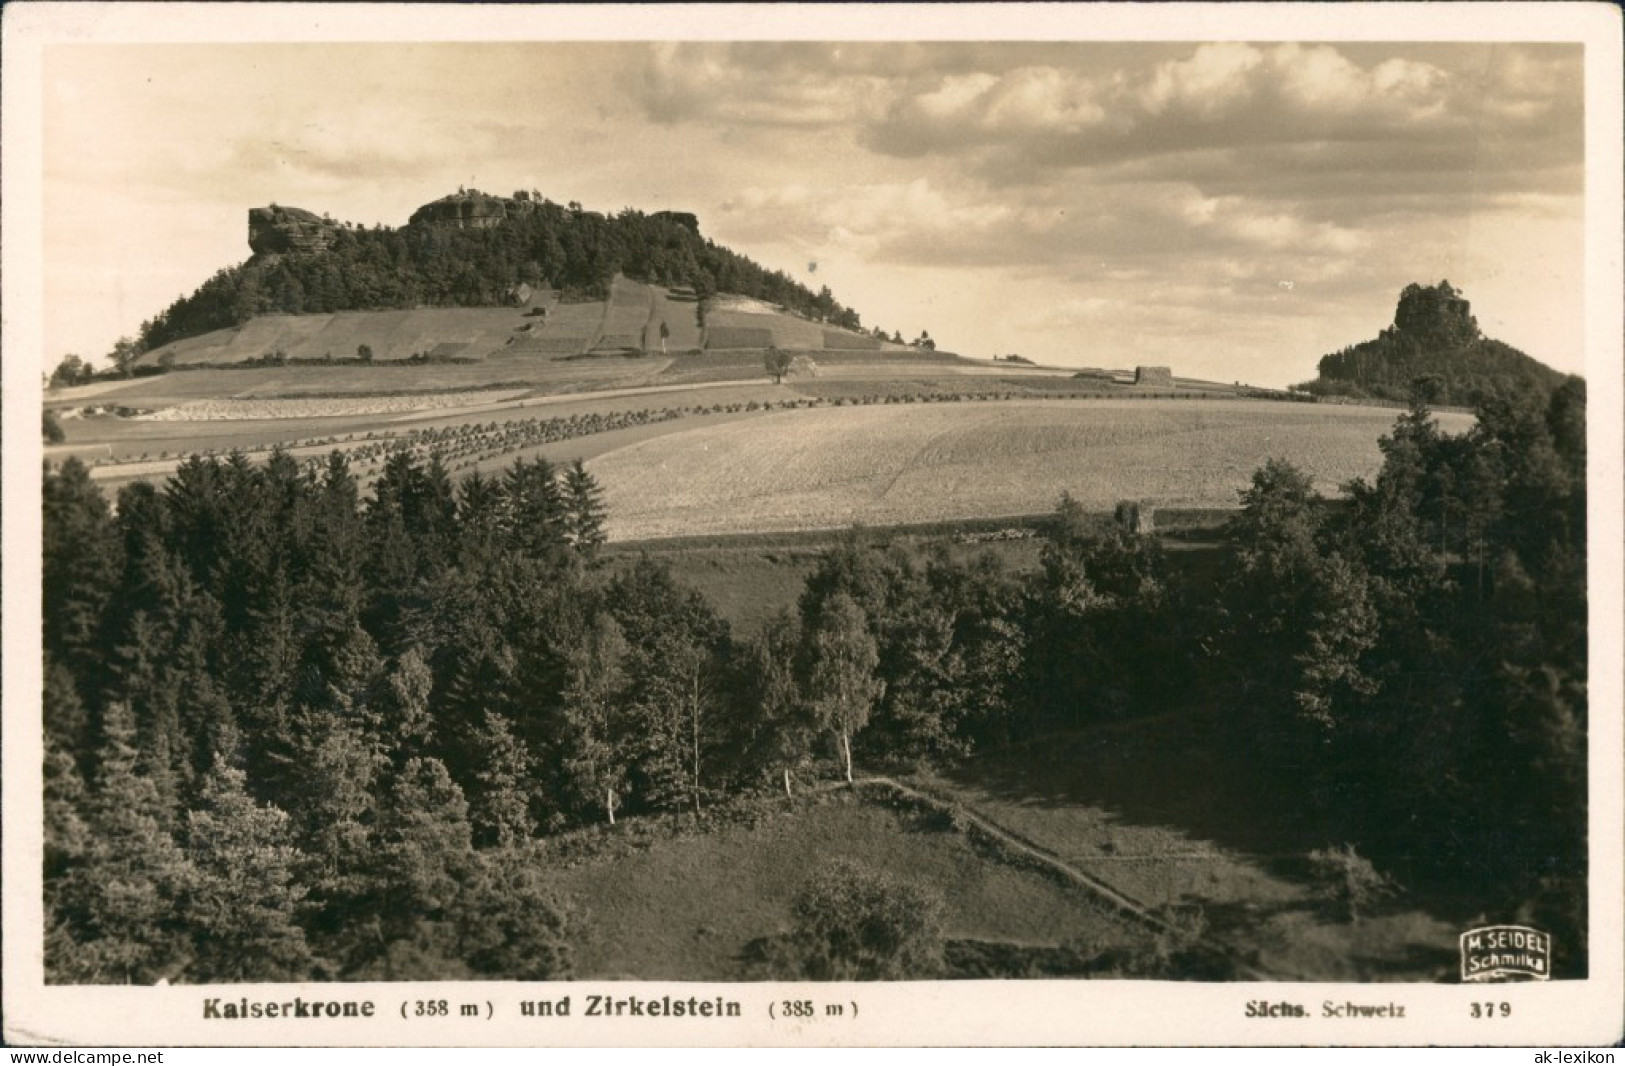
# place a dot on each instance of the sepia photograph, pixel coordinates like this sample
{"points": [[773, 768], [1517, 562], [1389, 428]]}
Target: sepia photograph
{"points": [[794, 525]]}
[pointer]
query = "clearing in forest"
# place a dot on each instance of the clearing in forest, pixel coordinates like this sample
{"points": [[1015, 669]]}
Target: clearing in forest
{"points": [[688, 907], [1160, 810]]}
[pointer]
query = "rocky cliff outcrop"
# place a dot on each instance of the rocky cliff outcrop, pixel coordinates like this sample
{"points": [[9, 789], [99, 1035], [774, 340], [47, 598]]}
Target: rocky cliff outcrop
{"points": [[1436, 315], [274, 229], [472, 209]]}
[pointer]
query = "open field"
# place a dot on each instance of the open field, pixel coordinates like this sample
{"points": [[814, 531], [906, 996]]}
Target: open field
{"points": [[465, 332], [872, 451], [749, 579], [1154, 809], [631, 306], [891, 464], [740, 364], [284, 407], [747, 586], [735, 322], [686, 908]]}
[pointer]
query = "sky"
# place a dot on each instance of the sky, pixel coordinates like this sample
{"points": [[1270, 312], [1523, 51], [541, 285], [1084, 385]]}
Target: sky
{"points": [[1232, 210]]}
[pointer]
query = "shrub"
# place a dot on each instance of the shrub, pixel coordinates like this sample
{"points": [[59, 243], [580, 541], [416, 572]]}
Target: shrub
{"points": [[852, 923], [1349, 881]]}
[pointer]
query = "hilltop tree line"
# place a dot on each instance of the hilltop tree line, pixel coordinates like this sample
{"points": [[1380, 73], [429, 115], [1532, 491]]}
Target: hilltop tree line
{"points": [[293, 732], [575, 251]]}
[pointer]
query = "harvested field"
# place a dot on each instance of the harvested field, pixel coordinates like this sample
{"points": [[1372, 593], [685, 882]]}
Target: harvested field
{"points": [[327, 406], [840, 340], [735, 337], [722, 330], [727, 301], [893, 464], [631, 306], [713, 365], [502, 371], [854, 383]]}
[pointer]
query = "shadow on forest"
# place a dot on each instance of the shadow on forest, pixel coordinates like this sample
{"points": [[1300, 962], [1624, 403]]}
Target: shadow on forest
{"points": [[1174, 771], [1191, 776]]}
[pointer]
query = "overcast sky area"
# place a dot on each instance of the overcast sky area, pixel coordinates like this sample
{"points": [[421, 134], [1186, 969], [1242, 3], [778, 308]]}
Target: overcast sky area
{"points": [[1234, 211]]}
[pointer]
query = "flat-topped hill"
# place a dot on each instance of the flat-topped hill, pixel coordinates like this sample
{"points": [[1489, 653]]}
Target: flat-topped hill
{"points": [[471, 249]]}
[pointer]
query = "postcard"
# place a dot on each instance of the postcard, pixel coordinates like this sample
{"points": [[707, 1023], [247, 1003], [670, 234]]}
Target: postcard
{"points": [[564, 525]]}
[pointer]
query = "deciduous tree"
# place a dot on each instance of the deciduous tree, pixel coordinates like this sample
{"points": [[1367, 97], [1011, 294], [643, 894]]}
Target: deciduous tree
{"points": [[842, 685]]}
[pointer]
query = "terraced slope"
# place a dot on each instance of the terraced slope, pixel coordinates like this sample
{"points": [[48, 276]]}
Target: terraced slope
{"points": [[626, 319], [567, 329], [470, 333], [679, 312], [735, 322]]}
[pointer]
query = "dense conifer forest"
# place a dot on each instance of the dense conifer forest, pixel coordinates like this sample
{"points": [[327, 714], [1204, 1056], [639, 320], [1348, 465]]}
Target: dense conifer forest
{"points": [[293, 733]]}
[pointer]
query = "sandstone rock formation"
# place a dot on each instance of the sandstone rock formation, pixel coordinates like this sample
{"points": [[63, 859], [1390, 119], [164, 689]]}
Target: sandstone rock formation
{"points": [[1437, 315], [472, 209], [274, 229]]}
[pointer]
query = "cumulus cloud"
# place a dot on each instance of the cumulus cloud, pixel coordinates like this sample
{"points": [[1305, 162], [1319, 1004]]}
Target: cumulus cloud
{"points": [[760, 84], [1240, 96]]}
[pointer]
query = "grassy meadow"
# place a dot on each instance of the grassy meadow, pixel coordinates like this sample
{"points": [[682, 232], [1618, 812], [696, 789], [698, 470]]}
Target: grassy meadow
{"points": [[689, 905]]}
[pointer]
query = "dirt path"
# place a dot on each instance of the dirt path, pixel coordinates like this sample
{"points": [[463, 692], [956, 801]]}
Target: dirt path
{"points": [[1040, 854], [651, 326]]}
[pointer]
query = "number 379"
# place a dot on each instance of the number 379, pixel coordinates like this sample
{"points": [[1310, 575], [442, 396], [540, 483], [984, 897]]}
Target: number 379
{"points": [[1492, 1010]]}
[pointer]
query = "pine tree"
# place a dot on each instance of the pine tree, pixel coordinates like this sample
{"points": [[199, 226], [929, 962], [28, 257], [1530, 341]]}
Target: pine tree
{"points": [[584, 510], [481, 518], [535, 509], [499, 809], [331, 592], [118, 919], [67, 835], [406, 720], [426, 848], [79, 565], [676, 646], [334, 778], [242, 905]]}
